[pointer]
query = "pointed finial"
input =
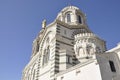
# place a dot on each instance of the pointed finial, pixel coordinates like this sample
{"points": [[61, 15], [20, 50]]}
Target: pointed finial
{"points": [[69, 3], [70, 6], [44, 24]]}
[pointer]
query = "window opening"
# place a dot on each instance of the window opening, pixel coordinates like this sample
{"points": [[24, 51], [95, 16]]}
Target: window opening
{"points": [[112, 66], [69, 59], [46, 55], [68, 18], [79, 19]]}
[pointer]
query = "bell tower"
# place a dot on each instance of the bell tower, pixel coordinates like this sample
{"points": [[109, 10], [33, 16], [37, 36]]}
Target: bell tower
{"points": [[61, 45], [86, 43]]}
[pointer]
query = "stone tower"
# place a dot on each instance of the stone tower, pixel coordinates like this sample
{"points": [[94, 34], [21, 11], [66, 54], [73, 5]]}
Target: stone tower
{"points": [[63, 44]]}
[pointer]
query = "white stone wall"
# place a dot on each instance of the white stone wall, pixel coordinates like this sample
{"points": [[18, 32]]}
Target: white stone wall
{"points": [[116, 50], [45, 72], [87, 71], [104, 67], [114, 55]]}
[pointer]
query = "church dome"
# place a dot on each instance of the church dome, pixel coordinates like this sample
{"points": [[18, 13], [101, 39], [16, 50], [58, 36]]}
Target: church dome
{"points": [[72, 16]]}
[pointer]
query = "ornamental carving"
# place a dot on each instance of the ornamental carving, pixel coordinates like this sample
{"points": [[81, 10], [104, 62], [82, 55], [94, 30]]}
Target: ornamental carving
{"points": [[89, 50]]}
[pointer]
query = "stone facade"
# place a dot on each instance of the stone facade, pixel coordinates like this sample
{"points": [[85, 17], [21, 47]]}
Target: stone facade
{"points": [[67, 49]]}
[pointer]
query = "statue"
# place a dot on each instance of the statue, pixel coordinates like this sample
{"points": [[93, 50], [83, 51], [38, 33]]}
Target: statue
{"points": [[43, 24]]}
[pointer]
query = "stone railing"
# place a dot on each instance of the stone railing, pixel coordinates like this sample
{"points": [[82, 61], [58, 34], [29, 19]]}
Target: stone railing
{"points": [[85, 35]]}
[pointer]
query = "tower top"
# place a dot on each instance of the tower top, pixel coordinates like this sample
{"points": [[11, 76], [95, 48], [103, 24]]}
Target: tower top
{"points": [[70, 7], [72, 15]]}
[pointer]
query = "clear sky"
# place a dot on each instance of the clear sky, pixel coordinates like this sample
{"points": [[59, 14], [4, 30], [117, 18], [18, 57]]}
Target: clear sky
{"points": [[20, 22]]}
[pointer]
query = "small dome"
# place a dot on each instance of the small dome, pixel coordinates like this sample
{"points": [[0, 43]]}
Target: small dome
{"points": [[71, 15]]}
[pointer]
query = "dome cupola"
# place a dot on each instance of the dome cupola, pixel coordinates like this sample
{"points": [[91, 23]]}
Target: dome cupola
{"points": [[72, 16]]}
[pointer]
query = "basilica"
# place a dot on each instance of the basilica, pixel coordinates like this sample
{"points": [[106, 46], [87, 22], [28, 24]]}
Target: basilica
{"points": [[67, 49]]}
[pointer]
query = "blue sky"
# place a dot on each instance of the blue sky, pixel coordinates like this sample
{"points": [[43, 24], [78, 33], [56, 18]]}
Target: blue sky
{"points": [[20, 22]]}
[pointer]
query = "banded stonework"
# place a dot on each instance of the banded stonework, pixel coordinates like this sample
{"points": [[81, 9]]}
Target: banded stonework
{"points": [[67, 49]]}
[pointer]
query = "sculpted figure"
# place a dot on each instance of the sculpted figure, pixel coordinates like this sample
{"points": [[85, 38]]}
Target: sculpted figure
{"points": [[44, 24]]}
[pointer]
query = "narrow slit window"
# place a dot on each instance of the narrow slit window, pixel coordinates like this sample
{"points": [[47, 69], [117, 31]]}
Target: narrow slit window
{"points": [[112, 66], [79, 19]]}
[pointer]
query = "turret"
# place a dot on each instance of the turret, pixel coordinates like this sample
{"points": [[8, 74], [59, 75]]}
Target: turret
{"points": [[87, 45], [72, 16]]}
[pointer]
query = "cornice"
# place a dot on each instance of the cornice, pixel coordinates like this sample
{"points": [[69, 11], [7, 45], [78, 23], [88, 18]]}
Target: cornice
{"points": [[73, 26], [115, 49]]}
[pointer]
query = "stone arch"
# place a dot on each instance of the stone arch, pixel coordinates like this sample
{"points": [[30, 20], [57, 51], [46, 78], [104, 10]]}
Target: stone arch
{"points": [[46, 55], [79, 18], [68, 16], [45, 49], [43, 41], [33, 71], [89, 49], [81, 52]]}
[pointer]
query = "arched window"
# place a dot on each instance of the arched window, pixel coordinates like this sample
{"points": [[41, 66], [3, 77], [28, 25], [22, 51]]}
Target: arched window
{"points": [[68, 17], [89, 49], [43, 62], [46, 55], [79, 19], [81, 52]]}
